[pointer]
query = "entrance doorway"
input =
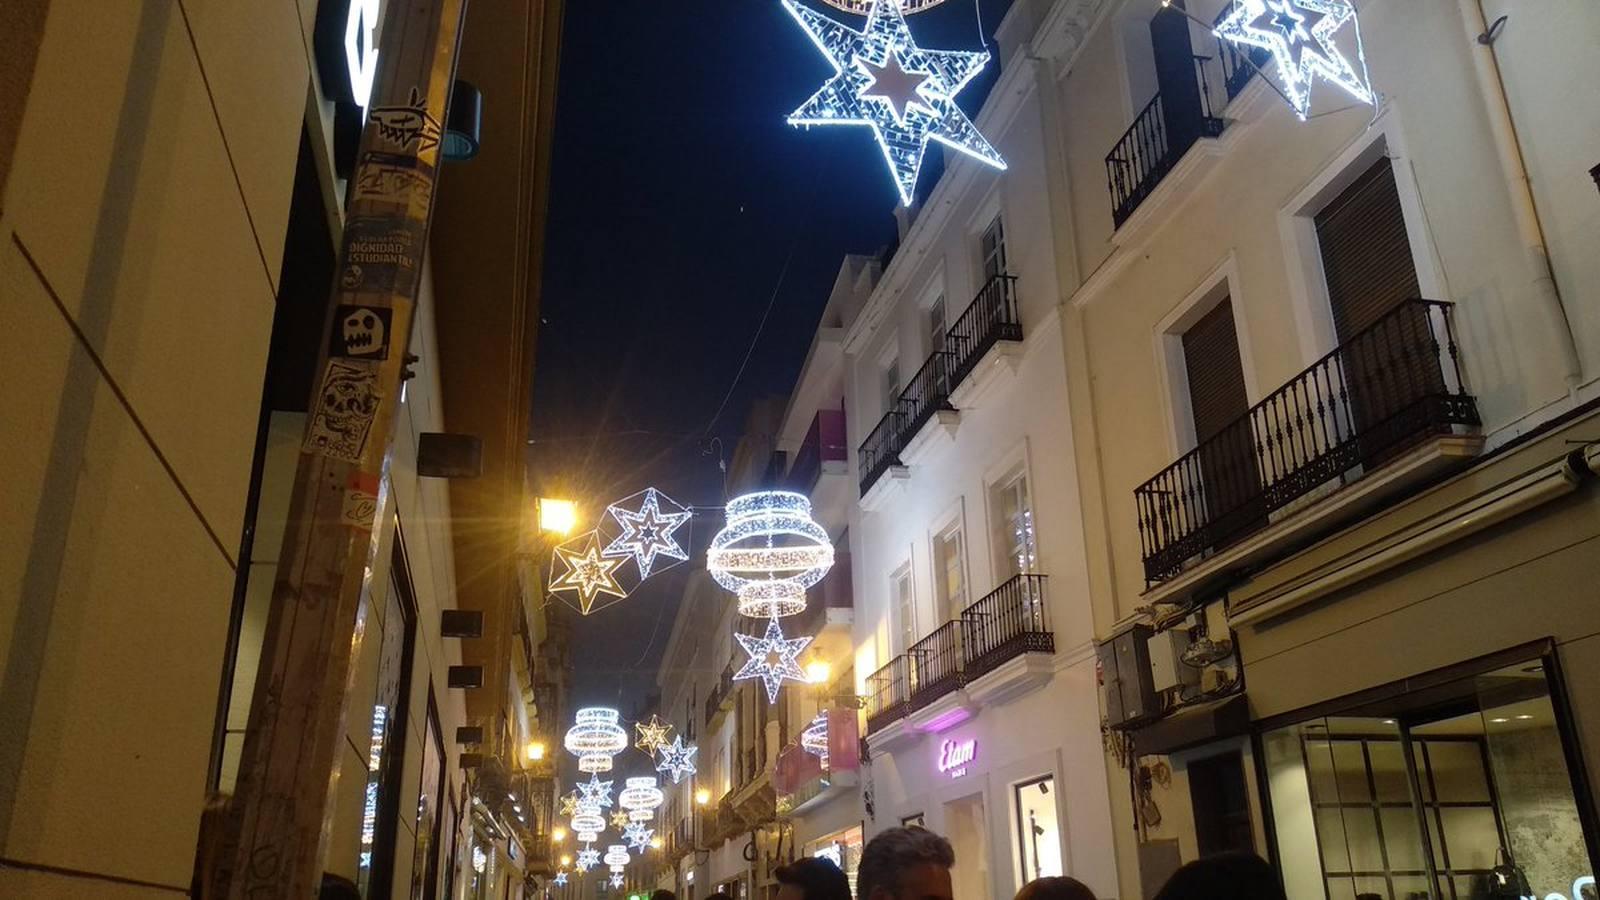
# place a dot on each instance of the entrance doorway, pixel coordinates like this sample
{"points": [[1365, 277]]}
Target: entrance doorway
{"points": [[968, 831]]}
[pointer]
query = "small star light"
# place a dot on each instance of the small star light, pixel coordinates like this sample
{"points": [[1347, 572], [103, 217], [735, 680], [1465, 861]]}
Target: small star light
{"points": [[616, 879], [569, 805], [884, 81], [561, 879], [647, 533], [772, 658], [677, 759], [637, 836], [588, 572], [1300, 36], [620, 819], [652, 735], [588, 858], [596, 792]]}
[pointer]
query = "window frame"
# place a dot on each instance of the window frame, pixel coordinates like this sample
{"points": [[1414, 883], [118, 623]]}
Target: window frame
{"points": [[997, 227], [905, 606]]}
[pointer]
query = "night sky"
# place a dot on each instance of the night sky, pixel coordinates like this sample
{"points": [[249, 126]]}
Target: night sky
{"points": [[679, 196]]}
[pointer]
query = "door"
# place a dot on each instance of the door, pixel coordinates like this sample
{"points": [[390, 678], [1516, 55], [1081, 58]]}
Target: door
{"points": [[1230, 474], [967, 828]]}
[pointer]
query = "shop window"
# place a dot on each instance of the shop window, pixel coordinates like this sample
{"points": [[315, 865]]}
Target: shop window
{"points": [[1221, 804], [429, 821], [395, 630], [1454, 793], [843, 849], [1038, 829]]}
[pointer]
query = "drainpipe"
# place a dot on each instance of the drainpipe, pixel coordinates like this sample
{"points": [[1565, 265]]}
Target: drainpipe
{"points": [[1518, 188]]}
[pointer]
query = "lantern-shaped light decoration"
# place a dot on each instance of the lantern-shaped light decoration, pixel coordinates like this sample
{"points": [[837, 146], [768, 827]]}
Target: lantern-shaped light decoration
{"points": [[769, 553], [616, 857], [588, 836], [595, 738], [587, 822], [640, 797]]}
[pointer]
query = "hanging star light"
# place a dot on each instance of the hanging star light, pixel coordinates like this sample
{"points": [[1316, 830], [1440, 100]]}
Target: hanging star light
{"points": [[616, 879], [648, 532], [772, 658], [652, 734], [569, 804], [769, 577], [594, 738], [620, 819], [588, 858], [595, 793], [1300, 36], [677, 759], [884, 81], [561, 879], [588, 572], [637, 836]]}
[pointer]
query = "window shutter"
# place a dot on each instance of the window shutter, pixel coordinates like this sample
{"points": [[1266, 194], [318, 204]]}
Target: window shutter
{"points": [[1216, 377], [1366, 256]]}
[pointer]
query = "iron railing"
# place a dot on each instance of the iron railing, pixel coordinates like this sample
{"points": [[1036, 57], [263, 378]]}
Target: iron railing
{"points": [[1006, 623], [1239, 64], [719, 693], [926, 393], [1148, 150], [992, 317], [882, 447], [1390, 385], [824, 442], [888, 693], [936, 667]]}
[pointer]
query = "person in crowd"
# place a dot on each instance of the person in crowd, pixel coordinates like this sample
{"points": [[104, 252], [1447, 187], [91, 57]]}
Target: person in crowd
{"points": [[1226, 876], [664, 894], [337, 887], [812, 878], [906, 864], [1055, 888]]}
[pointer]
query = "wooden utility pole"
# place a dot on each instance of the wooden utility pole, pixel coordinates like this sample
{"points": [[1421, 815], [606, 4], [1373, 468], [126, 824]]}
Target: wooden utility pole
{"points": [[275, 838]]}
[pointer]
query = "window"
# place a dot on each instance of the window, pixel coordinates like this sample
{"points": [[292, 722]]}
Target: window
{"points": [[1221, 804], [992, 246], [1038, 829], [938, 325], [949, 569], [1014, 540], [1219, 403], [395, 630], [843, 849], [891, 385], [904, 606], [425, 856]]}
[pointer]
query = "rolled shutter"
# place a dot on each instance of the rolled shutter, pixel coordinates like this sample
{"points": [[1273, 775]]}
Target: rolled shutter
{"points": [[1366, 256]]}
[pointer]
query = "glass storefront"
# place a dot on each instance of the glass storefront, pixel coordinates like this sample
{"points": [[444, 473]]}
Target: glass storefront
{"points": [[1459, 791], [843, 848], [1038, 829]]}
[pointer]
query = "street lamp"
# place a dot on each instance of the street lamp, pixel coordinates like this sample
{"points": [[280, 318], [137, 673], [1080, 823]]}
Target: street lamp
{"points": [[702, 796], [558, 834], [557, 516], [534, 751], [817, 671]]}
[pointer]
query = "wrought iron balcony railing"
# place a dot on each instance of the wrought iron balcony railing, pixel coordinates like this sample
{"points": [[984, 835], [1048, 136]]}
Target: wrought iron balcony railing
{"points": [[882, 447], [824, 442], [936, 667], [719, 694], [992, 317], [1149, 149], [888, 693], [1388, 386], [1008, 622], [1239, 64]]}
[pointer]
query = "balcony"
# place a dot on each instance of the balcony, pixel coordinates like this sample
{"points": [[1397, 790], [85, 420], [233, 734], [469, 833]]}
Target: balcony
{"points": [[1160, 134], [720, 700], [1008, 623], [1351, 417], [834, 601], [824, 443], [992, 320]]}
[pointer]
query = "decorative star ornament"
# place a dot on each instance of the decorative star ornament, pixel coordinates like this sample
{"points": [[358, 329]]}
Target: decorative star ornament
{"points": [[616, 879], [589, 572], [595, 792], [648, 533], [904, 93], [637, 836], [560, 880], [652, 734], [772, 658], [1300, 36], [620, 819], [569, 805], [588, 858], [677, 759]]}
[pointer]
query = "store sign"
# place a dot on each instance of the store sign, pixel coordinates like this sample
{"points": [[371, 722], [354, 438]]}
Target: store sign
{"points": [[954, 755], [344, 42]]}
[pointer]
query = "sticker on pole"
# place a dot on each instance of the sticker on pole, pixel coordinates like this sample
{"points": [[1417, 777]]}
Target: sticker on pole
{"points": [[346, 406], [411, 123], [360, 501], [360, 332]]}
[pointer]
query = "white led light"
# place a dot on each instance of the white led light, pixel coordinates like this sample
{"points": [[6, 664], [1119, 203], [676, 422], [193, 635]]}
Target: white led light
{"points": [[594, 739], [616, 856], [1300, 36], [814, 739], [585, 822], [586, 571], [640, 793], [884, 81], [594, 794], [677, 759], [587, 835], [587, 858], [772, 658], [616, 879], [560, 880], [637, 836], [770, 579], [360, 52], [648, 532]]}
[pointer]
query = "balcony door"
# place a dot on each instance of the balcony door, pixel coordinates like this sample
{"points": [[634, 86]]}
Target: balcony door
{"points": [[1229, 472]]}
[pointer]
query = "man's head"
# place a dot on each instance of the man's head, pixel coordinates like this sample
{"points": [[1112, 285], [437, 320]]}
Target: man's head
{"points": [[906, 864], [812, 878], [663, 894]]}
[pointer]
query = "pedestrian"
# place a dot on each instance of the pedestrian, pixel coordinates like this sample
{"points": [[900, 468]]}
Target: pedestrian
{"points": [[812, 878], [662, 894], [1226, 876], [1055, 888], [906, 864], [337, 887]]}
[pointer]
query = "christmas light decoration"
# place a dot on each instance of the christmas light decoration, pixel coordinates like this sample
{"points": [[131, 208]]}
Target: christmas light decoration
{"points": [[647, 532], [594, 793], [861, 7], [1300, 36], [588, 823], [884, 81], [588, 572], [620, 819], [588, 858], [652, 734], [594, 738], [772, 658], [616, 857], [616, 879], [589, 836], [677, 759], [637, 836], [560, 880], [814, 739], [640, 795], [569, 804], [769, 579]]}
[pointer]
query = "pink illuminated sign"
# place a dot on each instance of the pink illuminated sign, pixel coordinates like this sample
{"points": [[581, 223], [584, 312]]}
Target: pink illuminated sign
{"points": [[954, 756]]}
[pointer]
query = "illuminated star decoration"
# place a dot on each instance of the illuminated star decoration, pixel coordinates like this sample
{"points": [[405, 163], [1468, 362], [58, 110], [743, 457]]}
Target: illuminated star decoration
{"points": [[677, 759], [569, 805], [588, 858], [772, 658], [647, 533], [560, 880], [616, 879], [620, 819], [589, 572], [1300, 36], [652, 735], [904, 93], [595, 792], [637, 836]]}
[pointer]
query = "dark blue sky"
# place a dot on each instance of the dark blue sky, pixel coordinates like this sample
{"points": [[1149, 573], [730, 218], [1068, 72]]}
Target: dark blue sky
{"points": [[678, 192]]}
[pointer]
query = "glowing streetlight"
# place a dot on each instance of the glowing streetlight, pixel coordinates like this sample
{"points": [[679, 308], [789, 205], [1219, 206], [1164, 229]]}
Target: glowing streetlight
{"points": [[557, 516], [534, 750], [702, 796], [566, 860], [558, 834], [817, 671]]}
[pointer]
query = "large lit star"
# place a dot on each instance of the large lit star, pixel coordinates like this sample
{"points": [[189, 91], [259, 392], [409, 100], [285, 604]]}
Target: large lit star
{"points": [[677, 759], [905, 94], [652, 734], [595, 792], [1302, 51], [772, 658], [648, 532], [637, 836], [588, 858], [589, 572]]}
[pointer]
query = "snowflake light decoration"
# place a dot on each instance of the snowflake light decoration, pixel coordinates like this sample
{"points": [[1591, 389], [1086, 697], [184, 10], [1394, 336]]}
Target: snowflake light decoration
{"points": [[595, 793], [648, 532], [745, 557], [677, 759], [588, 858], [569, 804], [620, 819], [594, 738], [616, 879], [589, 572], [884, 81], [1300, 36], [772, 658], [652, 734], [637, 836], [560, 880]]}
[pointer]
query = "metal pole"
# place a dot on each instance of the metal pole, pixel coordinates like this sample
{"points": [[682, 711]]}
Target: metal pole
{"points": [[277, 826]]}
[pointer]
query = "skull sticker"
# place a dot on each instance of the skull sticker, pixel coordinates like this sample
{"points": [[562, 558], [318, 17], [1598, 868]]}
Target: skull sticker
{"points": [[346, 405], [361, 332]]}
